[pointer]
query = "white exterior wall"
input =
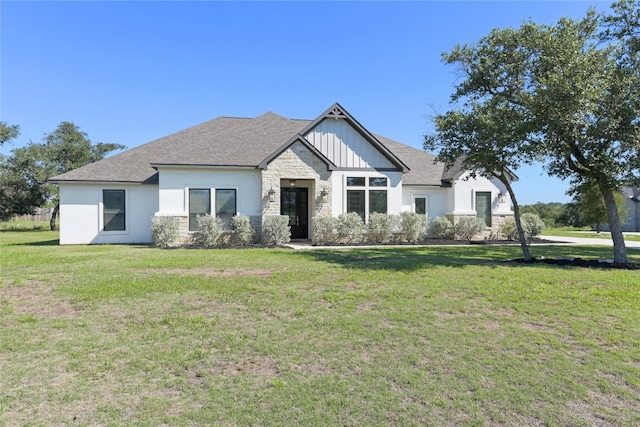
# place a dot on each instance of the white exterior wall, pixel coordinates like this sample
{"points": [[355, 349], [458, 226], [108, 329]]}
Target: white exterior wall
{"points": [[81, 214], [463, 196], [437, 200], [344, 146], [174, 185], [339, 189]]}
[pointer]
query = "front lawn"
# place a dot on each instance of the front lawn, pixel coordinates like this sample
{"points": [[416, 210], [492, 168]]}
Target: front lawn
{"points": [[134, 335]]}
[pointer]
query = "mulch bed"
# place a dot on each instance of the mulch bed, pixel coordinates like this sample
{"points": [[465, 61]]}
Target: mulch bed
{"points": [[578, 262]]}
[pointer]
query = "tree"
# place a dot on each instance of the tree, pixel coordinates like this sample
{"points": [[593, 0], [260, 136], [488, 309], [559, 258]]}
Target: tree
{"points": [[8, 132], [591, 207], [487, 139], [22, 186], [63, 150], [576, 99]]}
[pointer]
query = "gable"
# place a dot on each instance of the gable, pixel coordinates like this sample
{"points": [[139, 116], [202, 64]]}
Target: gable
{"points": [[345, 147]]}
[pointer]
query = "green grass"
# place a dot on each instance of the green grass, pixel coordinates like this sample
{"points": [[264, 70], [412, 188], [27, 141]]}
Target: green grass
{"points": [[586, 232], [134, 335]]}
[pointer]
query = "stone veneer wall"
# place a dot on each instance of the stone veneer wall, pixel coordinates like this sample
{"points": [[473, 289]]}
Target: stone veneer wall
{"points": [[299, 163]]}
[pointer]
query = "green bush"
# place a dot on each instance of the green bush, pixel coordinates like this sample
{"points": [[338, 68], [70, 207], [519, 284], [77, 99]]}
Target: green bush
{"points": [[440, 228], [164, 230], [532, 225], [323, 230], [381, 227], [468, 227], [243, 233], [276, 230], [209, 233], [413, 226], [508, 229], [350, 228]]}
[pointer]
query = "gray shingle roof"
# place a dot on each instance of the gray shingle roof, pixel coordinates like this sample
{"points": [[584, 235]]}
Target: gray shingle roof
{"points": [[232, 142]]}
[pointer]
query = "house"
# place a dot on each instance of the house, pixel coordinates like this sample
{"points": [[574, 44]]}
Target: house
{"points": [[268, 165], [632, 208]]}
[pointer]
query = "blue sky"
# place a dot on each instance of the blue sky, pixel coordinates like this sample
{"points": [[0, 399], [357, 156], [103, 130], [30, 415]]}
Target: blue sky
{"points": [[131, 72]]}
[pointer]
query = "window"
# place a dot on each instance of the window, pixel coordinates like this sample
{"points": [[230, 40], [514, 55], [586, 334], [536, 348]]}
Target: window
{"points": [[366, 196], [226, 206], [483, 206], [378, 201], [421, 205], [113, 210], [356, 202], [199, 205]]}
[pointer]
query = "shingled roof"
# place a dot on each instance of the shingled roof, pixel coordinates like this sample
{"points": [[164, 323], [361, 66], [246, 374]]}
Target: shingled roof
{"points": [[237, 143]]}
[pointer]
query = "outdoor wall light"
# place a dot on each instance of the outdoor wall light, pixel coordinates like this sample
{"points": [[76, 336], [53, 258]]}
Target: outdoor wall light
{"points": [[502, 197], [292, 183], [272, 195], [324, 195]]}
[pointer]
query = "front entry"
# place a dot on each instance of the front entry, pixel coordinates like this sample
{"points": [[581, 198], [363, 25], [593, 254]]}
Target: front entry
{"points": [[294, 203]]}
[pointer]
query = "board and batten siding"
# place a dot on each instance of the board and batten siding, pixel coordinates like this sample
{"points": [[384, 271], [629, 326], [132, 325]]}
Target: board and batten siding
{"points": [[338, 141]]}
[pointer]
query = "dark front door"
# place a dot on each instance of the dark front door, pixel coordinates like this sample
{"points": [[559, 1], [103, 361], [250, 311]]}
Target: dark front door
{"points": [[294, 203]]}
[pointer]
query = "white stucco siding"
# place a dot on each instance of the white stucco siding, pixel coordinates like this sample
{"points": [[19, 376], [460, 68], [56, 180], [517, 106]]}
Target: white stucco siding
{"points": [[82, 214], [464, 191], [339, 188], [174, 185], [344, 146], [437, 200]]}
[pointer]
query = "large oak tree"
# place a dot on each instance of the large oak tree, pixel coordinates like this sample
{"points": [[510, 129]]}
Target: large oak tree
{"points": [[576, 98], [64, 149]]}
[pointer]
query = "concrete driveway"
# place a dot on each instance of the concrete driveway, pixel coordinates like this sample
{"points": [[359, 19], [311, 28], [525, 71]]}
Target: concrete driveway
{"points": [[590, 241]]}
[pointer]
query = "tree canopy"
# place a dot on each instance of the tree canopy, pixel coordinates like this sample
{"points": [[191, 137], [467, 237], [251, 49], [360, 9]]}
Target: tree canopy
{"points": [[25, 173], [8, 132], [565, 94]]}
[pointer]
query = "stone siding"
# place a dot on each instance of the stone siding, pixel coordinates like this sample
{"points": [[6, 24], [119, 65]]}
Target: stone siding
{"points": [[298, 163]]}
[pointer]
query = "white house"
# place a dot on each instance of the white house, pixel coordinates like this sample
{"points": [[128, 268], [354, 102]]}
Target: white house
{"points": [[268, 165], [632, 208]]}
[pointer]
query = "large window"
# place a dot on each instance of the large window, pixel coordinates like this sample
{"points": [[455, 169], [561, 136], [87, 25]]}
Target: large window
{"points": [[199, 205], [483, 206], [113, 202], [366, 196], [421, 205], [226, 206]]}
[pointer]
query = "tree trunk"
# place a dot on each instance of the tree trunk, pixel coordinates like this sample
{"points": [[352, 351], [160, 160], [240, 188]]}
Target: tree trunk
{"points": [[516, 211], [54, 216], [619, 248]]}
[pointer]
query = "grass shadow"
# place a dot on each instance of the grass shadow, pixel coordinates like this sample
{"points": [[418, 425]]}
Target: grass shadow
{"points": [[415, 258]]}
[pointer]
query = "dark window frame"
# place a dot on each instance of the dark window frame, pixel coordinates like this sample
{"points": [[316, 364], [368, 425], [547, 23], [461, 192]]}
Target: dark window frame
{"points": [[114, 216]]}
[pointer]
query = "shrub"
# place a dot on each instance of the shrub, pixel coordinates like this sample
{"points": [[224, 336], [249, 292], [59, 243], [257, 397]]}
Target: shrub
{"points": [[243, 233], [532, 225], [508, 229], [276, 230], [350, 228], [164, 230], [323, 230], [468, 227], [381, 227], [413, 226], [440, 228], [210, 230]]}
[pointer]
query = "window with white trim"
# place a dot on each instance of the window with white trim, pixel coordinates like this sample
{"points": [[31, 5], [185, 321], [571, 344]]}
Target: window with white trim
{"points": [[113, 210], [199, 205], [483, 206], [366, 196], [225, 205]]}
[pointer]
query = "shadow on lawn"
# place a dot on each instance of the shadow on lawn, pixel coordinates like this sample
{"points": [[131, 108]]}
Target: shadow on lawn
{"points": [[414, 258]]}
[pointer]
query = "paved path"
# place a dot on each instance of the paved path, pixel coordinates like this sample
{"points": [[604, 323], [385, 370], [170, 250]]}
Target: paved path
{"points": [[590, 241]]}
